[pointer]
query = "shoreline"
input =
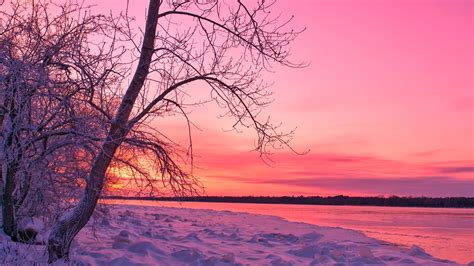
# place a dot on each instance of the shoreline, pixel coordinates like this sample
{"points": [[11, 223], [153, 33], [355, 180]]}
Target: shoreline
{"points": [[405, 202], [131, 234]]}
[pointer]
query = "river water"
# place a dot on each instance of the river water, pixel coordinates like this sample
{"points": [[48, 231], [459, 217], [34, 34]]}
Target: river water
{"points": [[445, 233]]}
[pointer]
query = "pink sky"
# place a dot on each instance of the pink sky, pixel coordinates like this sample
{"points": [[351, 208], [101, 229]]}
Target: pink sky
{"points": [[386, 105]]}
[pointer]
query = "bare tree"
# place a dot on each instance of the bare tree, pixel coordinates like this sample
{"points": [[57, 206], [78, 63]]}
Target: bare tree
{"points": [[52, 70], [224, 45]]}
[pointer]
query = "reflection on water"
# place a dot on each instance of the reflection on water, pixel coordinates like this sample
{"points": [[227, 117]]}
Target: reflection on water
{"points": [[444, 233]]}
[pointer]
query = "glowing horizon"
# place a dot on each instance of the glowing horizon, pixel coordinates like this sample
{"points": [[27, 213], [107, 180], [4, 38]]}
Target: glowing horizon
{"points": [[386, 106]]}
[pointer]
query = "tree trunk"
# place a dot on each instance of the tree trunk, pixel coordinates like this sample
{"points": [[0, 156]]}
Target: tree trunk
{"points": [[11, 166], [8, 207], [67, 227]]}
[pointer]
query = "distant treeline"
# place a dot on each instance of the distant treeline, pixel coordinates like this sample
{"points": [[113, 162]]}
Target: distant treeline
{"points": [[453, 202]]}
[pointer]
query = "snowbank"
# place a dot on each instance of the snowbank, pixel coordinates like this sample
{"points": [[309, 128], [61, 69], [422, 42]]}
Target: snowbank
{"points": [[139, 235]]}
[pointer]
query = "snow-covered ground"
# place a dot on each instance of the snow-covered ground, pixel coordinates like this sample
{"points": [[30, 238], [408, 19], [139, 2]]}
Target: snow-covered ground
{"points": [[140, 235]]}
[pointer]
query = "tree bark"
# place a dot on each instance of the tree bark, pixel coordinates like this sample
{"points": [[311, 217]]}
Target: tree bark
{"points": [[11, 166], [8, 207], [69, 225]]}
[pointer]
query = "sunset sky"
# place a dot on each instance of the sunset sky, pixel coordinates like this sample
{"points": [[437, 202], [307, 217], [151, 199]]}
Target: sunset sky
{"points": [[385, 107]]}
